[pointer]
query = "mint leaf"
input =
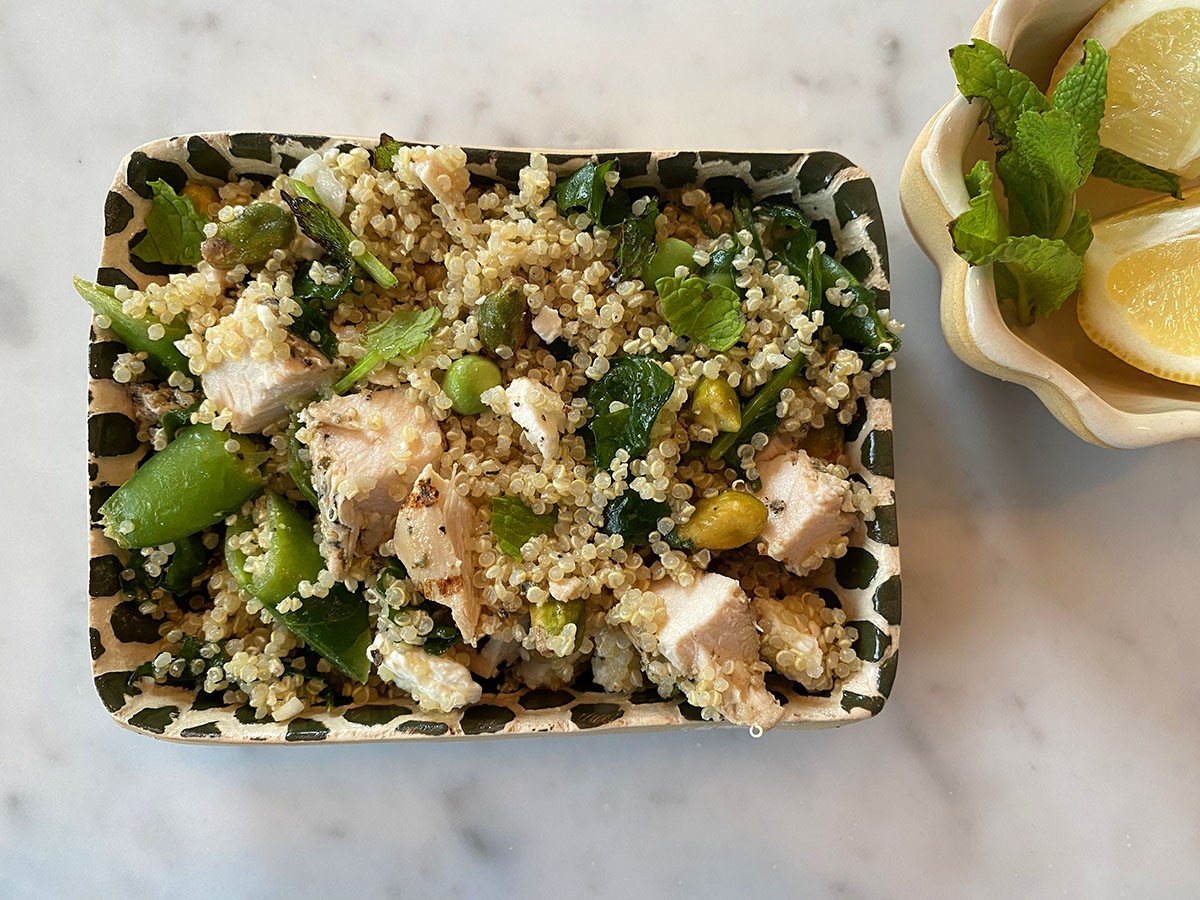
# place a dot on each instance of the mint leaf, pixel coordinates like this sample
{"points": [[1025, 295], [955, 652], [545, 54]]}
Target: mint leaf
{"points": [[978, 231], [708, 313], [1079, 233], [402, 334], [1039, 274], [636, 245], [514, 524], [984, 73], [384, 154], [1081, 95], [1041, 172], [1121, 169], [641, 387], [174, 230], [585, 189]]}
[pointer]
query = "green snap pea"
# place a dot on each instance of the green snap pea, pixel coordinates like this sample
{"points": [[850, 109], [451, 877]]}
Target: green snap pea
{"points": [[503, 319], [249, 237], [670, 254], [194, 483], [724, 522], [162, 356], [466, 380], [555, 615], [336, 625]]}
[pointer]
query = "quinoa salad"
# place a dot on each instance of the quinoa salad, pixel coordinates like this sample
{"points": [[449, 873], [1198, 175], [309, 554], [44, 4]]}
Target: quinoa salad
{"points": [[415, 434]]}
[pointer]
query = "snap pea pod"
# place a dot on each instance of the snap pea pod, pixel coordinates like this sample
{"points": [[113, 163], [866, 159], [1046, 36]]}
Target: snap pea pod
{"points": [[162, 356], [192, 484], [336, 625], [189, 560]]}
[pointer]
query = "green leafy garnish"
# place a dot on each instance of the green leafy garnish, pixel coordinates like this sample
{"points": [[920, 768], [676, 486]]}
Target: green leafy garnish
{"points": [[384, 155], [640, 387], [634, 518], [174, 230], [321, 225], [1046, 149], [325, 295], [401, 334], [635, 245], [708, 313], [514, 524], [1120, 169], [585, 189], [444, 634]]}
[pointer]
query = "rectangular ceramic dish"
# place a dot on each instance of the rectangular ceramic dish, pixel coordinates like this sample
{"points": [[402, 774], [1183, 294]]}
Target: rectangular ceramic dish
{"points": [[839, 197]]}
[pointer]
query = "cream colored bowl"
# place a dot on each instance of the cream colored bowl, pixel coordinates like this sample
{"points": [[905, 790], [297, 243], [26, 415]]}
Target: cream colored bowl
{"points": [[1096, 395]]}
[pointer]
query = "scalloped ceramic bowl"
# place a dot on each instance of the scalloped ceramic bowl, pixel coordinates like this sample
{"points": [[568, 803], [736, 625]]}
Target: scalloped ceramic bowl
{"points": [[1096, 395]]}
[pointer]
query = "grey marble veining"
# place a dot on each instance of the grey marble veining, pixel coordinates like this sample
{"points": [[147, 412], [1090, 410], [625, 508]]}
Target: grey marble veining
{"points": [[1041, 740]]}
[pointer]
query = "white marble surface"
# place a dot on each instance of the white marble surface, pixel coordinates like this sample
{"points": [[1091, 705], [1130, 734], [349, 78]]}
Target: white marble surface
{"points": [[1042, 737]]}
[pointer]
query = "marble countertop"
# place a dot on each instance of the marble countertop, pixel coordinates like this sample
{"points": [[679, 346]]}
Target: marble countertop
{"points": [[1042, 736]]}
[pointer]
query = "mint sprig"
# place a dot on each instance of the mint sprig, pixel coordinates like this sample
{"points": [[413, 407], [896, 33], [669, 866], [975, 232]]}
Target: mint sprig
{"points": [[1045, 150]]}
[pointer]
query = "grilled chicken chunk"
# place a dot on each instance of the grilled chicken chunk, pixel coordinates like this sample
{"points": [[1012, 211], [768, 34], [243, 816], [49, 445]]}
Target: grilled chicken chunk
{"points": [[258, 390], [710, 626], [806, 515], [433, 539], [366, 451]]}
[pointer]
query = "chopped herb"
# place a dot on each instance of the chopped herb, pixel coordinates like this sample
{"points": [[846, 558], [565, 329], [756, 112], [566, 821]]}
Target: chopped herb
{"points": [[326, 295], [401, 334], [708, 313], [174, 230], [321, 225], [1120, 169], [585, 189], [635, 244], [383, 157], [641, 386], [514, 524]]}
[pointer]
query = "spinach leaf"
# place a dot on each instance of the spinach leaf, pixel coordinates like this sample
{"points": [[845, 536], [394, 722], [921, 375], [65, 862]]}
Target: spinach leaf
{"points": [[174, 230], [642, 387], [326, 295], [585, 189], [635, 245], [634, 518], [514, 524], [384, 155], [311, 321]]}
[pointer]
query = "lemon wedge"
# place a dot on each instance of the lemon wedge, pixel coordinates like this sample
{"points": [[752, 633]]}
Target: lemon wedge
{"points": [[1153, 108], [1140, 294]]}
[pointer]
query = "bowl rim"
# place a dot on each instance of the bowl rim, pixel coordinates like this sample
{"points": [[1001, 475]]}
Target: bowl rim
{"points": [[932, 195]]}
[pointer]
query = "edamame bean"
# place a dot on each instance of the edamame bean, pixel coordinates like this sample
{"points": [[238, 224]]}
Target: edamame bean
{"points": [[503, 318], [724, 522], [670, 254], [466, 380], [250, 236], [716, 405]]}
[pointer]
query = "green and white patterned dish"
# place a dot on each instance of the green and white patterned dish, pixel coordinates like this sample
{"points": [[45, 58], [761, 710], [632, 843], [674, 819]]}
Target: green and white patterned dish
{"points": [[839, 197]]}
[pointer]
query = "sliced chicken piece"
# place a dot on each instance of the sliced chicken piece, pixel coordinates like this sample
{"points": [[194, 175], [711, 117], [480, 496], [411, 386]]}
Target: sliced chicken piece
{"points": [[435, 682], [710, 637], [434, 535], [547, 324], [258, 384], [443, 171], [806, 511], [366, 451], [540, 413], [493, 656]]}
